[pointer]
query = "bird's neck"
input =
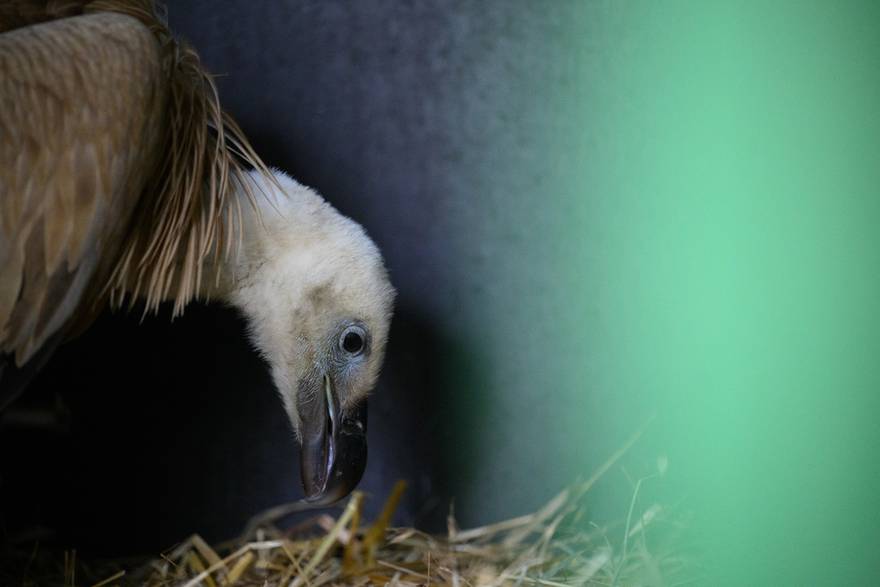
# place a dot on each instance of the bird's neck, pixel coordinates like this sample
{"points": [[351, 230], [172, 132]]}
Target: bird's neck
{"points": [[283, 221]]}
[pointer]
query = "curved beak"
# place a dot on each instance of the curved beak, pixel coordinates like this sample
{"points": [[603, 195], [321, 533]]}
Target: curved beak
{"points": [[334, 447]]}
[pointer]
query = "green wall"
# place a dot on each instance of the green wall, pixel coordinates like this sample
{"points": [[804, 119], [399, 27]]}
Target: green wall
{"points": [[680, 217]]}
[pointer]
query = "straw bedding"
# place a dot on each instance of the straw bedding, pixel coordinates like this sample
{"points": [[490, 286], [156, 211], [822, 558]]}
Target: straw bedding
{"points": [[554, 546]]}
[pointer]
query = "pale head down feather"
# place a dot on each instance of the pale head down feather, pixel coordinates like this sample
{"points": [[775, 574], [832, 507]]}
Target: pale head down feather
{"points": [[301, 271]]}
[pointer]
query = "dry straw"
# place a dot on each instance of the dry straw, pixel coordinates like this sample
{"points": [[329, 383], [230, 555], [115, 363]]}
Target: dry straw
{"points": [[557, 545], [554, 546]]}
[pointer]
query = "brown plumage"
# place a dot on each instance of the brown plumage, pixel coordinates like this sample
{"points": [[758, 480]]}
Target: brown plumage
{"points": [[118, 165]]}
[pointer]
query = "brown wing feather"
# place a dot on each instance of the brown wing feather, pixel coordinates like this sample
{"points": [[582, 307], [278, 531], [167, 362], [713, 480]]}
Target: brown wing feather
{"points": [[82, 106]]}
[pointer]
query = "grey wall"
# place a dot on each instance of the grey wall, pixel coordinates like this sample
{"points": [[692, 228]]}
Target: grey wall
{"points": [[421, 121]]}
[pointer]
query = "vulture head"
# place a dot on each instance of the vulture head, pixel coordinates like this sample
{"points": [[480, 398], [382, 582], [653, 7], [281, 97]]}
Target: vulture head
{"points": [[138, 187], [318, 302]]}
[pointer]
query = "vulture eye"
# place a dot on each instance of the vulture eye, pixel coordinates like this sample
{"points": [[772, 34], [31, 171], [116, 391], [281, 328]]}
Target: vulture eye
{"points": [[353, 340]]}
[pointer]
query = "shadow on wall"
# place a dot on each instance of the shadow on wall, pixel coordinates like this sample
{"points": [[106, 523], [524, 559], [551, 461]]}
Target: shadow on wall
{"points": [[174, 428], [430, 422]]}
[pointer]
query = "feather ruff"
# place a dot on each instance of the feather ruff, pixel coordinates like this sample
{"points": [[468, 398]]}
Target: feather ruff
{"points": [[189, 215], [190, 212]]}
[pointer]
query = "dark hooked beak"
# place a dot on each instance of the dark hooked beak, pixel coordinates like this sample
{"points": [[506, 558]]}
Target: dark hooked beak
{"points": [[334, 447]]}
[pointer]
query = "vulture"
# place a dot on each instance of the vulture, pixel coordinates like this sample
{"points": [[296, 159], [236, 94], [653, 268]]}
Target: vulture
{"points": [[123, 182]]}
